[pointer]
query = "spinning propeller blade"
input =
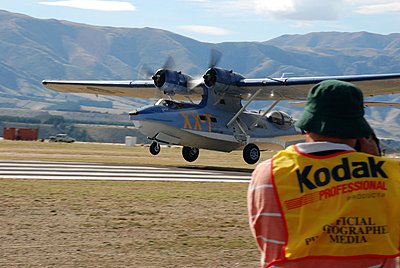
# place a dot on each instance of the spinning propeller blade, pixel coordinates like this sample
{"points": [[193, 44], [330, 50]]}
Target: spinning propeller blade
{"points": [[215, 57], [169, 63]]}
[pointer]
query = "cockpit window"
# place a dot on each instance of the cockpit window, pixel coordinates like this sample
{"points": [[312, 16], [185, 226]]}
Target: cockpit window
{"points": [[281, 119], [159, 102], [174, 104]]}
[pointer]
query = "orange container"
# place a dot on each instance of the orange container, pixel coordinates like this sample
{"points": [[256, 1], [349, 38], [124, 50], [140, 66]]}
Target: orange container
{"points": [[9, 133], [23, 134]]}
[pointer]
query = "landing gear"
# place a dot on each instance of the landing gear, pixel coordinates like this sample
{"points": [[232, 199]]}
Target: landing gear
{"points": [[190, 154], [155, 148], [251, 153]]}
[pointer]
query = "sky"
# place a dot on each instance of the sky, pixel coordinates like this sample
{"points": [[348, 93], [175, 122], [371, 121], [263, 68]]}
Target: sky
{"points": [[218, 21]]}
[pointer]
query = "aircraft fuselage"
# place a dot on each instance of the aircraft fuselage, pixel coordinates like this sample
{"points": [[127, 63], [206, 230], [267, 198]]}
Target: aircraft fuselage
{"points": [[206, 125]]}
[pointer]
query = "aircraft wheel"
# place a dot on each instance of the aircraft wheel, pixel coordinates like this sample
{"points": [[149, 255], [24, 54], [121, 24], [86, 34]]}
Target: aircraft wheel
{"points": [[251, 153], [155, 148], [190, 154]]}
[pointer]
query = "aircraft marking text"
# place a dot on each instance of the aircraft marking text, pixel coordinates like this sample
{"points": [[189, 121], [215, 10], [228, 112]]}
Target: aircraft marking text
{"points": [[199, 120]]}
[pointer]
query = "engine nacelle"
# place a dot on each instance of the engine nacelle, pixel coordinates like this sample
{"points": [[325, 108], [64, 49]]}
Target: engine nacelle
{"points": [[172, 82], [221, 79]]}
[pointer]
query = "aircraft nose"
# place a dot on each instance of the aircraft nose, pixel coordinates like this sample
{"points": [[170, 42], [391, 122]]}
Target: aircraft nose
{"points": [[134, 112]]}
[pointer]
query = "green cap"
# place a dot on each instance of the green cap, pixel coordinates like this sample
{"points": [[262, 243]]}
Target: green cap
{"points": [[335, 108]]}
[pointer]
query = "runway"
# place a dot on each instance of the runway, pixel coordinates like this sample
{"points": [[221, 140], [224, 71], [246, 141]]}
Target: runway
{"points": [[95, 171]]}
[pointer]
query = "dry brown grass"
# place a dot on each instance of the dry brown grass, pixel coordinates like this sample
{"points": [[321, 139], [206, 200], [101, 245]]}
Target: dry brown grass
{"points": [[122, 224]]}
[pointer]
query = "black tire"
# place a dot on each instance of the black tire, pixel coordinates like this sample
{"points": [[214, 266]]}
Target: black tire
{"points": [[190, 154], [155, 148], [251, 154]]}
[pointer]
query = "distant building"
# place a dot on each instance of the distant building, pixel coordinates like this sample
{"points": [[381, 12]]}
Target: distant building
{"points": [[22, 134]]}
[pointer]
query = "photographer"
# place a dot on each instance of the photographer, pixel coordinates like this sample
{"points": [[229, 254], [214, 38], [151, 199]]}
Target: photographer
{"points": [[322, 203]]}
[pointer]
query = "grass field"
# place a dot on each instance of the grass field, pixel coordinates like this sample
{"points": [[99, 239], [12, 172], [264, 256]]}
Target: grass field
{"points": [[122, 224]]}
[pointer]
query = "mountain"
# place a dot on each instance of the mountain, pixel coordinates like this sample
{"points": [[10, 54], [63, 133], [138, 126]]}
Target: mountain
{"points": [[33, 49], [335, 40]]}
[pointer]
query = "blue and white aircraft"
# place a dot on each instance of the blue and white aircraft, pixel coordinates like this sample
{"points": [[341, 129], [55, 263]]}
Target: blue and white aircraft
{"points": [[211, 112]]}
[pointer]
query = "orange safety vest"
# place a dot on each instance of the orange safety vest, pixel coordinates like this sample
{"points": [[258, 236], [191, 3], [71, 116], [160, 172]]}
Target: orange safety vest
{"points": [[344, 205]]}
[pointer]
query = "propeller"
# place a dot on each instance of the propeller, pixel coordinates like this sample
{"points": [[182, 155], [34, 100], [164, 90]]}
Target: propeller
{"points": [[215, 57], [145, 72], [209, 77], [194, 82], [159, 76], [169, 63]]}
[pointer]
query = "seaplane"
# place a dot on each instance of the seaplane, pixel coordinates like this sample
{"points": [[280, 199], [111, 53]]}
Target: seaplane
{"points": [[211, 112]]}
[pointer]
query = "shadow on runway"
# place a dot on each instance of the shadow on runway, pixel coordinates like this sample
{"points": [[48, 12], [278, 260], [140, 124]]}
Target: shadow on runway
{"points": [[227, 169]]}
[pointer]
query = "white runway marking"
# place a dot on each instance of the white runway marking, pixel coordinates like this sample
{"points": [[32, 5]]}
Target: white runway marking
{"points": [[93, 171]]}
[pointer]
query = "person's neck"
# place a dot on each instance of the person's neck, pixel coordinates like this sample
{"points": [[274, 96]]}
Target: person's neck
{"points": [[313, 137]]}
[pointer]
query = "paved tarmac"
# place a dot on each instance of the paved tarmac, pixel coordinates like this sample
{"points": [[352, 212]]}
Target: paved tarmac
{"points": [[96, 171]]}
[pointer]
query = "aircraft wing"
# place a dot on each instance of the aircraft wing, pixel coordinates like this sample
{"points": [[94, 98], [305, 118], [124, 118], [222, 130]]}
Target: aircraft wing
{"points": [[135, 89], [285, 88], [296, 88], [366, 103]]}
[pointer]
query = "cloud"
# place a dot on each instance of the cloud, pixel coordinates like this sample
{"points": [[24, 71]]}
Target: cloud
{"points": [[93, 5], [307, 10], [273, 6], [210, 30], [379, 8], [370, 2], [300, 10]]}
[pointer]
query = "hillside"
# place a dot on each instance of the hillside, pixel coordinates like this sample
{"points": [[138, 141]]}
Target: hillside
{"points": [[335, 40], [32, 50]]}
